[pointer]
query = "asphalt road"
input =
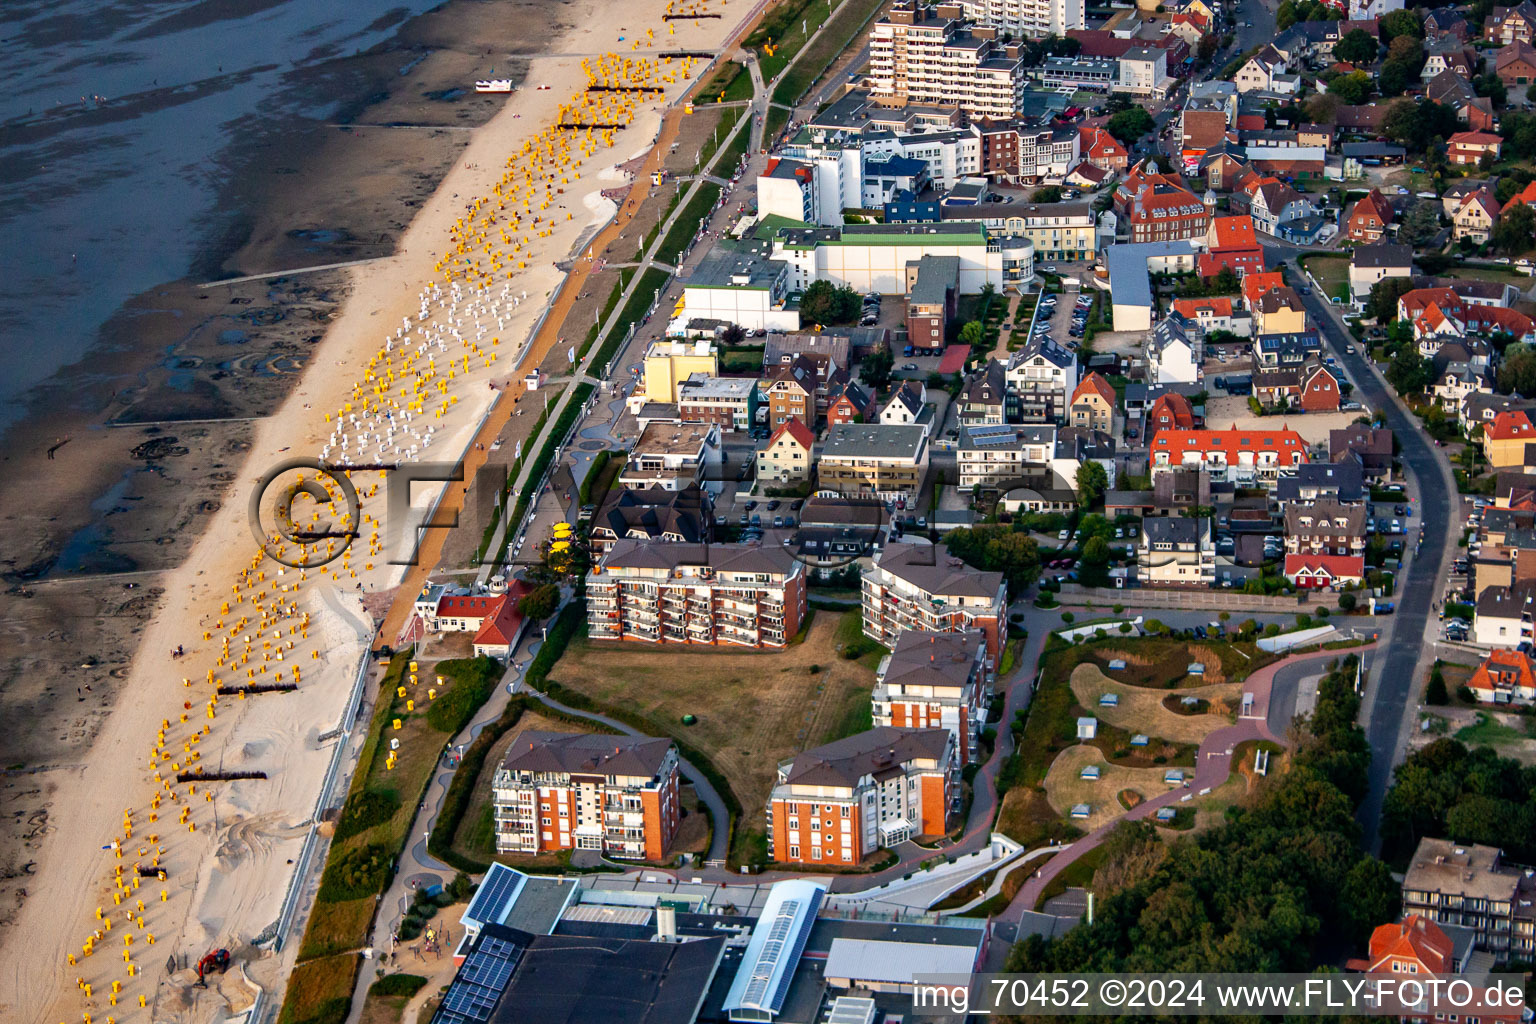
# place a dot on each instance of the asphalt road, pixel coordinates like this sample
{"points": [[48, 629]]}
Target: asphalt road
{"points": [[1391, 693]]}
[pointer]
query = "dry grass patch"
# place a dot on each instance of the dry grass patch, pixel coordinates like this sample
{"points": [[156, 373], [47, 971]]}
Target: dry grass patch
{"points": [[1065, 787], [753, 709], [1141, 709]]}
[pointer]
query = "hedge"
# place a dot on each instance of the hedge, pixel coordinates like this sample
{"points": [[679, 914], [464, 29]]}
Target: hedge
{"points": [[397, 985]]}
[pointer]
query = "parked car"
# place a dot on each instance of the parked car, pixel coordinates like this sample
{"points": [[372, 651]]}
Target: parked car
{"points": [[1062, 535], [908, 366]]}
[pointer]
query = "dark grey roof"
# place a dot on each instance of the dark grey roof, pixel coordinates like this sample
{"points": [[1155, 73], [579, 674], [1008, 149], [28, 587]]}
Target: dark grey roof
{"points": [[922, 657], [580, 979], [1175, 529], [1322, 518], [933, 569], [844, 762], [1344, 478], [654, 512], [1384, 255], [723, 557], [1507, 602], [585, 753], [875, 440]]}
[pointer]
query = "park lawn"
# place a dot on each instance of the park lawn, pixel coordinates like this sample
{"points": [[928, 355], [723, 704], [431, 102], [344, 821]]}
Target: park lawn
{"points": [[1332, 273], [1162, 662], [1077, 875], [1065, 787], [753, 710], [1502, 275], [1142, 710], [731, 83]]}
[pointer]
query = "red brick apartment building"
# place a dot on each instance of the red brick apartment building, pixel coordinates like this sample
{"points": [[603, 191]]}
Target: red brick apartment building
{"points": [[583, 791], [841, 802], [923, 586], [935, 681], [742, 595]]}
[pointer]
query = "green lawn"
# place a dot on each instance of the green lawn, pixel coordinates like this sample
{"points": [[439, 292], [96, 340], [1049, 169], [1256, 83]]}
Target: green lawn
{"points": [[687, 222], [1332, 273], [843, 27], [1489, 733]]}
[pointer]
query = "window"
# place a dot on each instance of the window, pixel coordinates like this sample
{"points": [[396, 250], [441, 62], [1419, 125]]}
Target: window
{"points": [[546, 821], [845, 809], [794, 853]]}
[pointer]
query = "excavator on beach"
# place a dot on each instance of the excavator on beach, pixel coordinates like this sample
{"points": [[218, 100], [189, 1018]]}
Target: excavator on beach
{"points": [[218, 960]]}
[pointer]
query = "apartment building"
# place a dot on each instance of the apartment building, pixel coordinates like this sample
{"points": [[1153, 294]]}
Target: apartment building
{"points": [[1176, 550], [1040, 379], [1236, 456], [923, 586], [730, 403], [1031, 19], [674, 455], [788, 455], [935, 681], [583, 791], [841, 802], [789, 391], [741, 595], [1163, 211], [1470, 886], [668, 363], [932, 55], [1503, 615], [864, 460], [1144, 72], [999, 456], [739, 282], [1019, 153], [1325, 528], [652, 514], [933, 290]]}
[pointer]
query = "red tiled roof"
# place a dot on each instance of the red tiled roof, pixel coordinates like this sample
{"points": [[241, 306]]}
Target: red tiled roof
{"points": [[953, 360], [500, 628], [1232, 443], [1473, 138], [1250, 123], [1507, 426], [798, 431], [1234, 232], [1095, 382], [1526, 197], [1500, 665], [1255, 285], [1338, 567], [1414, 937], [1191, 308], [476, 607]]}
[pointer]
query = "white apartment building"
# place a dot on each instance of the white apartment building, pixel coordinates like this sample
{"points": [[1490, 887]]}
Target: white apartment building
{"points": [[949, 155], [1032, 19], [739, 283], [923, 54], [1144, 72], [874, 257], [673, 455], [992, 456]]}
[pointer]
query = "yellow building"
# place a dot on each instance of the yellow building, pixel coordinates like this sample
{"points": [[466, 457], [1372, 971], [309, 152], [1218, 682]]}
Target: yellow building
{"points": [[669, 363], [1505, 439], [1279, 311]]}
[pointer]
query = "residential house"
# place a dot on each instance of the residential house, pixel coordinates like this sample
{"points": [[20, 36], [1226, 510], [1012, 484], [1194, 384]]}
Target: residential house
{"points": [[616, 795], [674, 455], [1504, 677], [1505, 439], [1281, 351], [1447, 21], [1372, 445], [788, 456], [874, 461], [844, 801], [983, 397], [1040, 379], [1525, 197], [790, 392], [923, 586], [850, 403], [1202, 130], [1230, 243], [653, 514], [1368, 219], [1451, 90], [935, 681], [1469, 886], [1279, 311], [1342, 482], [1212, 314], [1093, 404], [1311, 387], [1449, 54], [1515, 65], [1470, 147], [493, 618], [737, 595], [1176, 550], [1255, 285], [1236, 456], [1000, 455], [1274, 203], [907, 406], [1102, 149], [1169, 411], [728, 402], [1505, 25], [1263, 72], [1174, 352], [1318, 572], [1325, 528], [933, 285], [1371, 263]]}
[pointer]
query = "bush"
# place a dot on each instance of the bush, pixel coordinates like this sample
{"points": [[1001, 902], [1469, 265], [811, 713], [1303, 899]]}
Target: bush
{"points": [[397, 985], [1273, 629], [1346, 602], [1067, 617], [360, 872], [815, 670], [365, 809], [1322, 613], [473, 679]]}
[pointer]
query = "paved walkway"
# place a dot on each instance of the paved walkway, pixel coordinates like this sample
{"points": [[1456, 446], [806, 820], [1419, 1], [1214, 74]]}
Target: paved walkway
{"points": [[1212, 768]]}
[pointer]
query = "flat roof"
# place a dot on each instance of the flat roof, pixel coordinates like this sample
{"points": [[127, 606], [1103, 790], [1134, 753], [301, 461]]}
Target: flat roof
{"points": [[530, 903], [875, 441], [895, 962], [778, 939]]}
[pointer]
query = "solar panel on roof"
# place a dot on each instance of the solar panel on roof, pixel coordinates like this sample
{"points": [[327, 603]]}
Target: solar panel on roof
{"points": [[491, 898]]}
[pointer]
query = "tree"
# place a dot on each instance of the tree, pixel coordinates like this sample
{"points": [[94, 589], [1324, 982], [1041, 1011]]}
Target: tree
{"points": [[540, 602], [1353, 88], [1409, 371], [1092, 481], [1420, 223], [1048, 194], [733, 335], [1436, 693], [876, 368], [1285, 15], [1515, 230], [1400, 23], [1394, 78], [1357, 47], [1517, 373], [826, 303], [1382, 305], [1322, 108], [1493, 87], [1207, 48], [970, 333], [997, 548], [1093, 570], [1129, 125], [1415, 125]]}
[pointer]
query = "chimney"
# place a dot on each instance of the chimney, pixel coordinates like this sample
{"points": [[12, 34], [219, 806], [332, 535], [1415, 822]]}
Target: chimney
{"points": [[666, 923]]}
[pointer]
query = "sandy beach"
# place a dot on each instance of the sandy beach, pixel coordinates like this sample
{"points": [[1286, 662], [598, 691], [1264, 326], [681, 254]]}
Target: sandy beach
{"points": [[227, 848]]}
